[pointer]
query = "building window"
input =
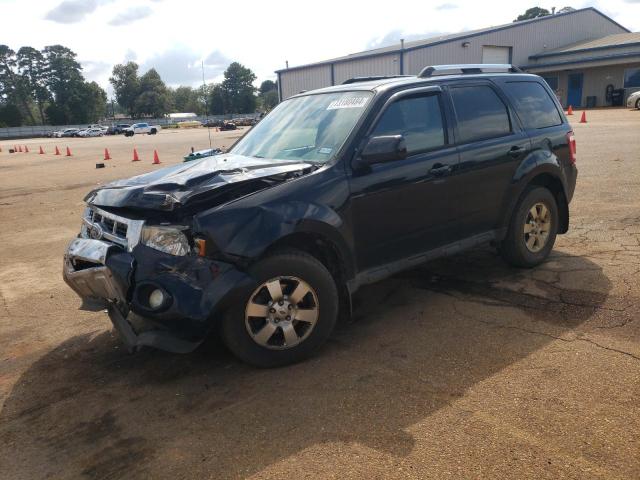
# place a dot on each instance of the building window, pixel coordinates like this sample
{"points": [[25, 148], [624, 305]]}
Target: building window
{"points": [[552, 82], [632, 77]]}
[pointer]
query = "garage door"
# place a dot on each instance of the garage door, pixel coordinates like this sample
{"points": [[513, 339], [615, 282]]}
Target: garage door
{"points": [[495, 54]]}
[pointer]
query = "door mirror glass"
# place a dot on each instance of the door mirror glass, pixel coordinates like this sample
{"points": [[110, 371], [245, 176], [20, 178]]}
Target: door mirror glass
{"points": [[385, 148]]}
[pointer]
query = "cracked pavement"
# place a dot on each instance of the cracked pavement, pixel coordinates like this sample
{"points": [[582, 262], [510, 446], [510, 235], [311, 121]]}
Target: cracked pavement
{"points": [[462, 368]]}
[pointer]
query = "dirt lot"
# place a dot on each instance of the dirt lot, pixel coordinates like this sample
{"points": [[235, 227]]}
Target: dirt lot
{"points": [[463, 368]]}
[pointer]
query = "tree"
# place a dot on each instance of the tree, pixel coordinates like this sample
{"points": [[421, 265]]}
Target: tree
{"points": [[534, 12], [267, 86], [154, 96], [239, 90], [13, 88], [10, 116], [268, 96], [33, 70], [126, 85], [566, 10], [186, 99], [217, 99]]}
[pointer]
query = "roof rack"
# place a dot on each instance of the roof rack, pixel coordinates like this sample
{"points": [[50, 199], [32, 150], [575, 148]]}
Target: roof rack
{"points": [[469, 68], [366, 79]]}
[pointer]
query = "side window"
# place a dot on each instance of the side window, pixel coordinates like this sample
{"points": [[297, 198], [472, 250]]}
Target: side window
{"points": [[533, 104], [480, 112], [418, 118]]}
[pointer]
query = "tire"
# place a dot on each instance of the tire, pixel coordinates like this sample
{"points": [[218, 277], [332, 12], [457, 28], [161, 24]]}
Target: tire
{"points": [[526, 250], [638, 104], [153, 131], [261, 341]]}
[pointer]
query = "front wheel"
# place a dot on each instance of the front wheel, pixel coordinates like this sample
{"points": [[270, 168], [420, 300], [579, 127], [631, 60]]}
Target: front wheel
{"points": [[287, 315], [533, 229]]}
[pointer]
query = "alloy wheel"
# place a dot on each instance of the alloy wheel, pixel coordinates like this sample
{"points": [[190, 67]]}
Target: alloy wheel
{"points": [[281, 313], [537, 226]]}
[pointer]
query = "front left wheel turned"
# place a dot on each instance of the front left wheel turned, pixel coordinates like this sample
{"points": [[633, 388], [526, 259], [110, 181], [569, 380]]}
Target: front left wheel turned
{"points": [[287, 315]]}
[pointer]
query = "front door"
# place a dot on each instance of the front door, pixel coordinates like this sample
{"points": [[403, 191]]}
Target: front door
{"points": [[400, 208], [574, 93]]}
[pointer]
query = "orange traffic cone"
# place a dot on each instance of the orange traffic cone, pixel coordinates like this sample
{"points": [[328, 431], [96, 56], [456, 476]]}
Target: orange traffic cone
{"points": [[57, 150], [136, 158], [20, 148], [68, 152], [106, 154], [570, 110], [583, 118], [41, 152], [156, 159], [26, 149]]}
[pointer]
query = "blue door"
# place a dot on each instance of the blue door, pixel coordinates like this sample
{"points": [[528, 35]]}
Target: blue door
{"points": [[574, 94]]}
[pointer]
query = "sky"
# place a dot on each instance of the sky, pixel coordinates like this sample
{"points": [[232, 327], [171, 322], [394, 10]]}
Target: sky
{"points": [[177, 36]]}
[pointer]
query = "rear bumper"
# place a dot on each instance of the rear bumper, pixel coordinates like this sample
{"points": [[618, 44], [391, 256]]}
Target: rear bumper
{"points": [[195, 288]]}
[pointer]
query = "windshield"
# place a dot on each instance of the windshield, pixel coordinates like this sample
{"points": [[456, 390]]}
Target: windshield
{"points": [[311, 128]]}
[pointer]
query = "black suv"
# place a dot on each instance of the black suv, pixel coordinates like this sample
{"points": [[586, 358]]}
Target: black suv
{"points": [[334, 189]]}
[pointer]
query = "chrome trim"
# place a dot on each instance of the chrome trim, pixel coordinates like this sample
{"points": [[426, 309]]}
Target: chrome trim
{"points": [[134, 228], [93, 282]]}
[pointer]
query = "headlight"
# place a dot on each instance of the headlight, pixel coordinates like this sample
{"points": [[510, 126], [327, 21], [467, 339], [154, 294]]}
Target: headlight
{"points": [[165, 239]]}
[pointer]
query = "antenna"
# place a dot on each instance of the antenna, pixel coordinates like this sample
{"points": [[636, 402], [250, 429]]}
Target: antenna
{"points": [[206, 107]]}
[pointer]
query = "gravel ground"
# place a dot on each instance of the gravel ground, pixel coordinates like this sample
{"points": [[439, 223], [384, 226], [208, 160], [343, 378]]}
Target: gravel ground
{"points": [[463, 368]]}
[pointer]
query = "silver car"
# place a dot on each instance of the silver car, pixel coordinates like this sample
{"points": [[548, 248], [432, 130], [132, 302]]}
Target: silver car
{"points": [[633, 100]]}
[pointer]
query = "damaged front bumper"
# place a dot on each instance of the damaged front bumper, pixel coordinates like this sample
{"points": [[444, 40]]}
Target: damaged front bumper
{"points": [[194, 288]]}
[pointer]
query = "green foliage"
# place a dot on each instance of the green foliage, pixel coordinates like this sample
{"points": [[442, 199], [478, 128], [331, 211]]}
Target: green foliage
{"points": [[267, 86], [10, 116], [48, 84], [534, 12], [238, 89], [126, 85]]}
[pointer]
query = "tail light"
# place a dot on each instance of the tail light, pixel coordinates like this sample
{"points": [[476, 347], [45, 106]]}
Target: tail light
{"points": [[571, 141]]}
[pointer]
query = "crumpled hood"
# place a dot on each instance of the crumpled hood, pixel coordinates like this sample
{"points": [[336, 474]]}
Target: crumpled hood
{"points": [[172, 187]]}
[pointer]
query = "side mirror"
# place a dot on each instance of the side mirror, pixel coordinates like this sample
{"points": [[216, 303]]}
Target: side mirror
{"points": [[385, 148]]}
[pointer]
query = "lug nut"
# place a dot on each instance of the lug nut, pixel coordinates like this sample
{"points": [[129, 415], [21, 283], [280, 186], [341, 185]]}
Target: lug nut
{"points": [[280, 302], [288, 317], [290, 306], [272, 310]]}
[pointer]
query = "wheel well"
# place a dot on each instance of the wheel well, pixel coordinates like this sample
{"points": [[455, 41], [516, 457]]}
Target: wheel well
{"points": [[326, 252], [554, 185]]}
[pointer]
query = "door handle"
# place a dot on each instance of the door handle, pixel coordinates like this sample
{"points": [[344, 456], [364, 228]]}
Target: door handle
{"points": [[516, 151], [439, 170]]}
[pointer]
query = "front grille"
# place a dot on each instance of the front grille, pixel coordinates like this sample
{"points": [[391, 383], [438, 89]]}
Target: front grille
{"points": [[101, 225]]}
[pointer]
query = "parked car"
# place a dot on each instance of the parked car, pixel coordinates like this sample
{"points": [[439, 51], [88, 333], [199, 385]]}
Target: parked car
{"points": [[212, 123], [265, 243], [138, 128], [69, 132], [117, 129], [228, 126], [633, 100], [91, 132]]}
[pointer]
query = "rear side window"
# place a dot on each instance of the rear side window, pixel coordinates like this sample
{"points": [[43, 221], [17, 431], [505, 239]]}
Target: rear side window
{"points": [[480, 112], [533, 104], [418, 118]]}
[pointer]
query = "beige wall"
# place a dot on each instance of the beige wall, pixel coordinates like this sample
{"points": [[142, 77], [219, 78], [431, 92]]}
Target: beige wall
{"points": [[595, 82]]}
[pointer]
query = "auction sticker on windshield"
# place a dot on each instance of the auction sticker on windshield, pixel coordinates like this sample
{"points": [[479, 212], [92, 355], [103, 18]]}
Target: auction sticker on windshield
{"points": [[354, 102]]}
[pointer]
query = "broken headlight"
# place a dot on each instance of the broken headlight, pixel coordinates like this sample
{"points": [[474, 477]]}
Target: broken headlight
{"points": [[170, 240]]}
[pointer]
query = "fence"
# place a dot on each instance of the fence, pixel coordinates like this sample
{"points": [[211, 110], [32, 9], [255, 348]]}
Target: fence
{"points": [[43, 130]]}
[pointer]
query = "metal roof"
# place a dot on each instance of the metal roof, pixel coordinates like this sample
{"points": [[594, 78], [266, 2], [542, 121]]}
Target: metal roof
{"points": [[427, 42], [618, 40], [389, 82]]}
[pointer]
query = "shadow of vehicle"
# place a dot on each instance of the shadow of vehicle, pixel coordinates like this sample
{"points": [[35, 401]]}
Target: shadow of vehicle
{"points": [[417, 343]]}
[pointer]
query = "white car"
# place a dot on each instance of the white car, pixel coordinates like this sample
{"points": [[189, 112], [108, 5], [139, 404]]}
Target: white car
{"points": [[141, 128], [633, 100], [91, 132], [67, 132]]}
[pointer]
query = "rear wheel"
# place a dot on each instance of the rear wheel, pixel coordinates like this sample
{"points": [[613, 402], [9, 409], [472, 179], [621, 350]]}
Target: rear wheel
{"points": [[533, 229], [287, 315]]}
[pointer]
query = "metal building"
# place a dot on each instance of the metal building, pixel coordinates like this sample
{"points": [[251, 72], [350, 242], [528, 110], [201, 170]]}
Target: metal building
{"points": [[586, 57]]}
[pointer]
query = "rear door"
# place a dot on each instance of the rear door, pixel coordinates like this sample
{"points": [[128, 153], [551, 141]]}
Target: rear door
{"points": [[491, 144], [401, 208]]}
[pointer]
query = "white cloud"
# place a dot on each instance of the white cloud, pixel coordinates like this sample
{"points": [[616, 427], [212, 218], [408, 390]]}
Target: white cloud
{"points": [[72, 11], [130, 15]]}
